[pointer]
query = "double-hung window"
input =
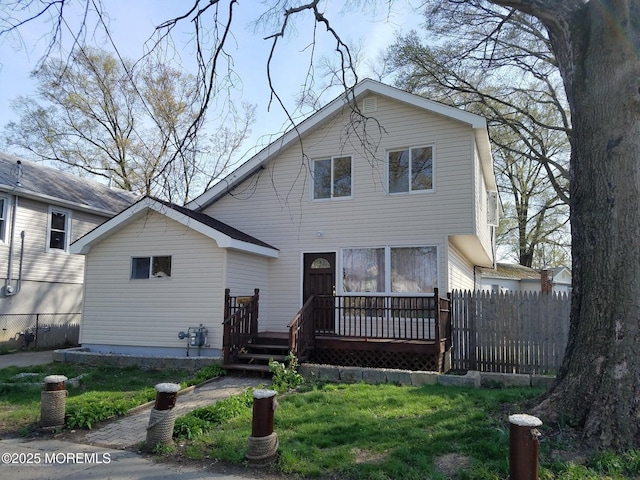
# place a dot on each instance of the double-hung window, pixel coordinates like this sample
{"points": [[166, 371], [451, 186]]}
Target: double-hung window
{"points": [[410, 169], [150, 267], [331, 177], [3, 218], [59, 227]]}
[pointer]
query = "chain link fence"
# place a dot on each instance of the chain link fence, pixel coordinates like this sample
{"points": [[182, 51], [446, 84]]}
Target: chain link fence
{"points": [[39, 330]]}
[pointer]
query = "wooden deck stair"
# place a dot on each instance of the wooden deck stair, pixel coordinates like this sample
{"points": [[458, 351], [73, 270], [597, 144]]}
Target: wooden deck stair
{"points": [[257, 354]]}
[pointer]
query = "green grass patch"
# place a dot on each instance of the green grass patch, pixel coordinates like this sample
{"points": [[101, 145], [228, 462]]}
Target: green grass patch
{"points": [[391, 432], [201, 420], [104, 392]]}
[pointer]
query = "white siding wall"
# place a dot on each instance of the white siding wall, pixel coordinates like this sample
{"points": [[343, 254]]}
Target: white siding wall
{"points": [[483, 230], [274, 205], [460, 271], [150, 313], [51, 279]]}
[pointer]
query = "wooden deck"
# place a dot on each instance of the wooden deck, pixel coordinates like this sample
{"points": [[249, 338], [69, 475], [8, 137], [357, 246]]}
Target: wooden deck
{"points": [[411, 333]]}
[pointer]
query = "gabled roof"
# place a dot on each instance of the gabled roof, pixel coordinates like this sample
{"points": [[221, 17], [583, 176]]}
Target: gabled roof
{"points": [[338, 105], [224, 235], [49, 185]]}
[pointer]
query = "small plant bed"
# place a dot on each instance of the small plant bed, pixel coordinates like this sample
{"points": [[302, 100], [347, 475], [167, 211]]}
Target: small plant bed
{"points": [[390, 432], [101, 393]]}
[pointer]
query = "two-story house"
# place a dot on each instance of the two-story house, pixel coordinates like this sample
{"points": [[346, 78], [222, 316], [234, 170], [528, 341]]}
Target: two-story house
{"points": [[379, 196], [42, 211]]}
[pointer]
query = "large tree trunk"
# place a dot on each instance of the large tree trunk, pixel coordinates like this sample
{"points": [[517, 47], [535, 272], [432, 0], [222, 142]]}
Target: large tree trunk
{"points": [[598, 386]]}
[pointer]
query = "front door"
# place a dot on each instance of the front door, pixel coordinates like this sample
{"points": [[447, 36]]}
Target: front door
{"points": [[320, 279]]}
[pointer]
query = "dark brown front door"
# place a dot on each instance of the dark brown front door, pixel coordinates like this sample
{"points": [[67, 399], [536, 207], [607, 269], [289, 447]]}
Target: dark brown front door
{"points": [[320, 279]]}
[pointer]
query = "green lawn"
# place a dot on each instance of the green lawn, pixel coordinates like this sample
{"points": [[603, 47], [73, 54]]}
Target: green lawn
{"points": [[104, 392], [390, 432]]}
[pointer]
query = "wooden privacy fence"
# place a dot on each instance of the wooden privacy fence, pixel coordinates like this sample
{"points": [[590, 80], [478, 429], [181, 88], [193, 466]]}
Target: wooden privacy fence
{"points": [[513, 332]]}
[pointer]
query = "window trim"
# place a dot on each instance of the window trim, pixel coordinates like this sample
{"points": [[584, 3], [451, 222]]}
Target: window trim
{"points": [[410, 190], [4, 212], [67, 229], [331, 197], [149, 272], [387, 291]]}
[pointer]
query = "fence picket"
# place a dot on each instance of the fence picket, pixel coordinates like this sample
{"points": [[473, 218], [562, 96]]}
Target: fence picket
{"points": [[512, 332]]}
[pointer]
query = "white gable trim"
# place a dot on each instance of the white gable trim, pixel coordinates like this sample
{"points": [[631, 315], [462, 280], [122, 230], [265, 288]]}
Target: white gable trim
{"points": [[477, 123], [83, 245]]}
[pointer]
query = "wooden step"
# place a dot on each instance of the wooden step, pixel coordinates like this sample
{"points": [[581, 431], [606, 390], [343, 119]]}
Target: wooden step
{"points": [[260, 356], [266, 346], [247, 367]]}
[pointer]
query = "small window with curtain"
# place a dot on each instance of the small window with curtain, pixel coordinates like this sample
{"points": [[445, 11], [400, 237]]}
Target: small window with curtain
{"points": [[150, 267]]}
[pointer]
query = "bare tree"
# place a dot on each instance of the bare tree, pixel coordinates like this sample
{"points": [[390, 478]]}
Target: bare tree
{"points": [[125, 122], [518, 89]]}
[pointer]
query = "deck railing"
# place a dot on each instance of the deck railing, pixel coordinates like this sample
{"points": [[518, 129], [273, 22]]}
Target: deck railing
{"points": [[383, 317], [301, 332], [240, 323]]}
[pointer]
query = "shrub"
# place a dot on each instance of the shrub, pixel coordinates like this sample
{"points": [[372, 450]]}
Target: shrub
{"points": [[285, 375]]}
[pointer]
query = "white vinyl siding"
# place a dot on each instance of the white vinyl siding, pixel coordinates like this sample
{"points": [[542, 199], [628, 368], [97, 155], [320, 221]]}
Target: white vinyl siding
{"points": [[460, 272], [120, 311], [275, 204], [483, 229], [40, 264]]}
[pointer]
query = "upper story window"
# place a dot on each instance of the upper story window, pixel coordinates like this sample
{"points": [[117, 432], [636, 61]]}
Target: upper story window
{"points": [[59, 227], [411, 170], [150, 267], [331, 177], [3, 218]]}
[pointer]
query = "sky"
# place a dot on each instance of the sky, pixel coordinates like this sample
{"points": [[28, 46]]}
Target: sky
{"points": [[132, 22]]}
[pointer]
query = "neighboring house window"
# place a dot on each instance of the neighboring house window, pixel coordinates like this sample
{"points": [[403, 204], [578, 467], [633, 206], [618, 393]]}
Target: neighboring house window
{"points": [[332, 178], [410, 170], [390, 270], [3, 218], [150, 267], [59, 228]]}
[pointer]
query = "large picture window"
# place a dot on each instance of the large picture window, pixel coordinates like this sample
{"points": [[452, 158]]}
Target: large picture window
{"points": [[331, 178], [390, 270], [363, 270], [414, 269], [150, 267], [410, 170]]}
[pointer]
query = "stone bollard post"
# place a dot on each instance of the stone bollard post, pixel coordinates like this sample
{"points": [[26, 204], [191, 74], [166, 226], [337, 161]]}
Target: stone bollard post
{"points": [[163, 417], [53, 402], [523, 447], [263, 442]]}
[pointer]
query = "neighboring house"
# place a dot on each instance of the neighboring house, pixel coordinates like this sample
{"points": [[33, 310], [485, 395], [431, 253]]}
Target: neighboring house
{"points": [[562, 280], [364, 209], [43, 210], [508, 277]]}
